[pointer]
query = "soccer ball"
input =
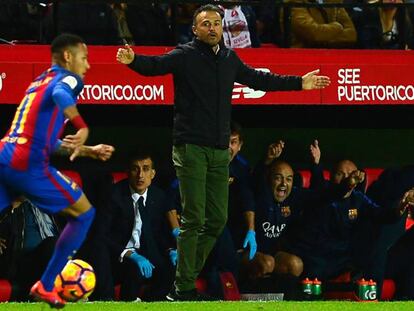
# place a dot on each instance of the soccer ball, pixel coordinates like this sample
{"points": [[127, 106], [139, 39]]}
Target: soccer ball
{"points": [[76, 281]]}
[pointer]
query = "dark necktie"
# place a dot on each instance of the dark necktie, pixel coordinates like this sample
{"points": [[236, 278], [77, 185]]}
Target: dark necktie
{"points": [[142, 216], [141, 205]]}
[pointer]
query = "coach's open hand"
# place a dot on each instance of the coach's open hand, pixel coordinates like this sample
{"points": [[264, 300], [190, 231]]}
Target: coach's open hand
{"points": [[125, 55], [311, 81]]}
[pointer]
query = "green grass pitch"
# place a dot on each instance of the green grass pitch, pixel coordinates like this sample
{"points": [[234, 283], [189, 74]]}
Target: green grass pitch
{"points": [[219, 306]]}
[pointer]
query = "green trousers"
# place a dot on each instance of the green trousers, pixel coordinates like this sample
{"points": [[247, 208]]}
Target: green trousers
{"points": [[203, 174]]}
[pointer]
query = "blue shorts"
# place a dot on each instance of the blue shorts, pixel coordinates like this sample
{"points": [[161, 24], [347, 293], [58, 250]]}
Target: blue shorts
{"points": [[48, 189]]}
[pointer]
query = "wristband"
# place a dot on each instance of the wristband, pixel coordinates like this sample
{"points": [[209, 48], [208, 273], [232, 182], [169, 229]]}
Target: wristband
{"points": [[78, 122]]}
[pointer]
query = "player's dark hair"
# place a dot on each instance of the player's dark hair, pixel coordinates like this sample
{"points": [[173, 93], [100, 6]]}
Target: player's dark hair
{"points": [[63, 41], [207, 8]]}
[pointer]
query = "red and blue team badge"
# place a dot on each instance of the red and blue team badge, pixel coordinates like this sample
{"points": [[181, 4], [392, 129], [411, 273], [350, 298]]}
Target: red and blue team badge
{"points": [[352, 213], [285, 211]]}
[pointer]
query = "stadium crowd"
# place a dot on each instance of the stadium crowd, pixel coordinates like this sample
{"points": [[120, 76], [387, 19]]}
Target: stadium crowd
{"points": [[288, 23]]}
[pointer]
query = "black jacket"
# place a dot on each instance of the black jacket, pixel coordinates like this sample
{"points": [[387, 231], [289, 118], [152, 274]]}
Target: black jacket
{"points": [[203, 86], [119, 222]]}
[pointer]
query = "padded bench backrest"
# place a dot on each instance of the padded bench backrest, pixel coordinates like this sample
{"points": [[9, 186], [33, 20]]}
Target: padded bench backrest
{"points": [[372, 174], [118, 176], [306, 175], [5, 290]]}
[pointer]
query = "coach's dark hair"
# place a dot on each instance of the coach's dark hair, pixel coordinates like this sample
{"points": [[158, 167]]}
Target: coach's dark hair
{"points": [[207, 8], [63, 41]]}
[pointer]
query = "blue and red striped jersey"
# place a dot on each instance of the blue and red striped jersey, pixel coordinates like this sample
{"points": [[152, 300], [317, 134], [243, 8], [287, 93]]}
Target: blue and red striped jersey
{"points": [[39, 119]]}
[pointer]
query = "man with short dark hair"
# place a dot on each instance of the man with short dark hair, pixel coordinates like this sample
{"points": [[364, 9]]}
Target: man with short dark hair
{"points": [[135, 233], [204, 72], [241, 208], [33, 136]]}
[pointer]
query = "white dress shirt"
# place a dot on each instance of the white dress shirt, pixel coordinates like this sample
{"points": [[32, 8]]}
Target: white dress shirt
{"points": [[134, 241]]}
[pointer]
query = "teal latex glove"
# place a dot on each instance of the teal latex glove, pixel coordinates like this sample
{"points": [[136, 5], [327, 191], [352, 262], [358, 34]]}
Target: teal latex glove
{"points": [[173, 256], [250, 240], [144, 265], [175, 232]]}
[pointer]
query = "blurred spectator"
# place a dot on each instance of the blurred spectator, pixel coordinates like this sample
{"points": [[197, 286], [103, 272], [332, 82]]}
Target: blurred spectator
{"points": [[122, 25], [385, 27], [149, 24], [95, 22], [267, 21], [28, 237], [388, 18], [410, 32], [320, 27], [182, 16], [239, 26], [23, 22]]}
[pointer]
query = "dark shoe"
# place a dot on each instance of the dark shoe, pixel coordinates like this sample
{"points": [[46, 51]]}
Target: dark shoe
{"points": [[188, 295]]}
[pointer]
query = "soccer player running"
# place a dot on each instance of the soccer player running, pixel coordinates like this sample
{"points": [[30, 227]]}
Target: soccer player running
{"points": [[26, 148], [204, 73]]}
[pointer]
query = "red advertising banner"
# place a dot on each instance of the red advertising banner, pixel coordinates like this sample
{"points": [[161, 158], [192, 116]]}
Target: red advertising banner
{"points": [[359, 77], [14, 79]]}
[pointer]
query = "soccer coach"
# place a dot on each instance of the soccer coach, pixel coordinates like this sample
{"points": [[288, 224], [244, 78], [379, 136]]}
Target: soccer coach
{"points": [[204, 72]]}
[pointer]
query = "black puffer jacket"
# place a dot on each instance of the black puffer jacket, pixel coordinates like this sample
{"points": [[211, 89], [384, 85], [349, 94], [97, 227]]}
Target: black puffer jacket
{"points": [[203, 86]]}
